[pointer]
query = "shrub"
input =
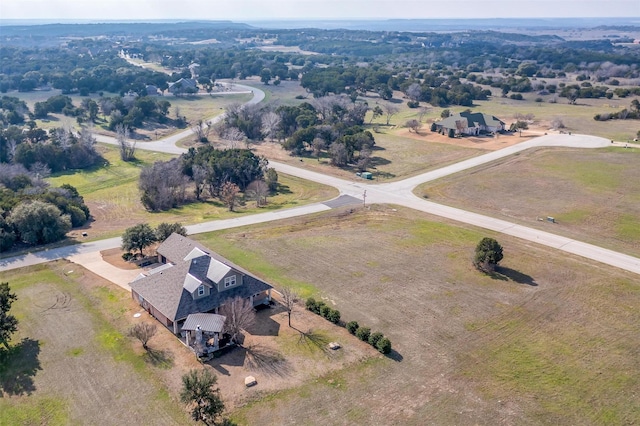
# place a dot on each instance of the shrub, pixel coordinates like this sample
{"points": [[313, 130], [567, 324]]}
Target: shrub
{"points": [[311, 304], [325, 310], [374, 338], [413, 104], [384, 345], [363, 333], [352, 327], [127, 256], [333, 316], [319, 307]]}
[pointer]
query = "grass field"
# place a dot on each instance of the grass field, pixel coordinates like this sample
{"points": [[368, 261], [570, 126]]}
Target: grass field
{"points": [[549, 339], [69, 363], [111, 192], [594, 195]]}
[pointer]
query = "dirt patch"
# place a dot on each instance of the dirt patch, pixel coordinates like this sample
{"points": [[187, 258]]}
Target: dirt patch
{"points": [[114, 257], [490, 143]]}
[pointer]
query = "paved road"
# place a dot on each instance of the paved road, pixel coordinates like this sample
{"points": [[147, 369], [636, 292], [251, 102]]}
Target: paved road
{"points": [[392, 193]]}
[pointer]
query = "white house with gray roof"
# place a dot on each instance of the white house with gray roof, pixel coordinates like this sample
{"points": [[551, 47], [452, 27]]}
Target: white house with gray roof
{"points": [[193, 280]]}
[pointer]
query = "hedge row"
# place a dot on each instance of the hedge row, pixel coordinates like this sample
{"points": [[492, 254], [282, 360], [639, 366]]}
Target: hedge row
{"points": [[377, 340], [323, 310]]}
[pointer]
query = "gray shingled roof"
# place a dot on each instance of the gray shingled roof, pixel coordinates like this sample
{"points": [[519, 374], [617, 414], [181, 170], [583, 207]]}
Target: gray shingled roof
{"points": [[471, 118], [165, 290]]}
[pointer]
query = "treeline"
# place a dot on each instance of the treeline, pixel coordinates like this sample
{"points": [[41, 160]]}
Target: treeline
{"points": [[131, 110], [436, 87], [209, 172], [82, 69], [33, 213]]}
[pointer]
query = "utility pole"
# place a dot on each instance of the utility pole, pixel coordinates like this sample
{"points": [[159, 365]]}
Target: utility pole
{"points": [[364, 198]]}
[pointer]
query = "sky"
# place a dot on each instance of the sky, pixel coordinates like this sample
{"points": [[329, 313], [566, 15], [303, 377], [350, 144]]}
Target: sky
{"points": [[257, 10]]}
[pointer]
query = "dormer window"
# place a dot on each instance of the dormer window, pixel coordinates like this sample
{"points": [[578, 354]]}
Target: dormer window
{"points": [[201, 290], [230, 281]]}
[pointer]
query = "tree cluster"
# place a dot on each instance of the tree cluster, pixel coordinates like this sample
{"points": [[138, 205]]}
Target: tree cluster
{"points": [[58, 149], [73, 70], [33, 213], [141, 236]]}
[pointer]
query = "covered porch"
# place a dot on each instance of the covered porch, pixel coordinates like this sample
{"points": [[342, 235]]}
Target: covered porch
{"points": [[203, 333]]}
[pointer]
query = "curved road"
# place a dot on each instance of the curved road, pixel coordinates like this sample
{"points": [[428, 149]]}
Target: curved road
{"points": [[399, 193]]}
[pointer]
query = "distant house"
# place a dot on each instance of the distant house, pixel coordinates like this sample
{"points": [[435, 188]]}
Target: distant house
{"points": [[152, 90], [193, 280], [184, 85], [470, 123]]}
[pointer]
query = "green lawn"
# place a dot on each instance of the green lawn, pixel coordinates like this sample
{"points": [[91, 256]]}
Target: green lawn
{"points": [[111, 192]]}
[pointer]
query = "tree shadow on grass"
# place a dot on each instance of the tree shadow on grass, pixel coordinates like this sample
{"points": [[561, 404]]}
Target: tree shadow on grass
{"points": [[283, 189], [395, 355], [159, 358], [267, 361], [313, 340], [18, 366], [507, 274], [379, 161]]}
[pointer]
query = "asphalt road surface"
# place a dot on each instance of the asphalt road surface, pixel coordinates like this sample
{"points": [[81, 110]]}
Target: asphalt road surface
{"points": [[399, 193]]}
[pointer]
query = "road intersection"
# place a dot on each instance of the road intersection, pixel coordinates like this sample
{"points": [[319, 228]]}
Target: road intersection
{"points": [[352, 191]]}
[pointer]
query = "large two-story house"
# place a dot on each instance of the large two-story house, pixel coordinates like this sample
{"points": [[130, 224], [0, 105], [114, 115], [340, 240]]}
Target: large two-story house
{"points": [[193, 280], [470, 123]]}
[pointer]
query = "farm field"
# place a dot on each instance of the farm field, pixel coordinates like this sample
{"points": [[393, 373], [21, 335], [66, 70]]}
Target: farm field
{"points": [[549, 339], [594, 195], [111, 193]]}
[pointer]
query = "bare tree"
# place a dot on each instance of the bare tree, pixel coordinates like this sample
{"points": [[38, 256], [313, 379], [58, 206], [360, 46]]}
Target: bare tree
{"points": [[258, 190], [233, 135], [289, 300], [339, 154], [106, 106], [64, 137], [557, 123], [414, 91], [239, 314], [127, 149], [364, 159], [143, 332], [390, 110], [201, 129], [199, 179], [228, 194], [318, 144], [86, 136], [461, 125], [413, 125], [270, 124], [422, 113]]}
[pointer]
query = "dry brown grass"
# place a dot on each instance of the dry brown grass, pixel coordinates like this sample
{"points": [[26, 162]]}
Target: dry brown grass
{"points": [[594, 195], [547, 340]]}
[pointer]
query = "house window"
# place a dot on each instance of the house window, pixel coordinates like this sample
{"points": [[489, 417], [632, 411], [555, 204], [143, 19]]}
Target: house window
{"points": [[230, 281], [201, 290]]}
